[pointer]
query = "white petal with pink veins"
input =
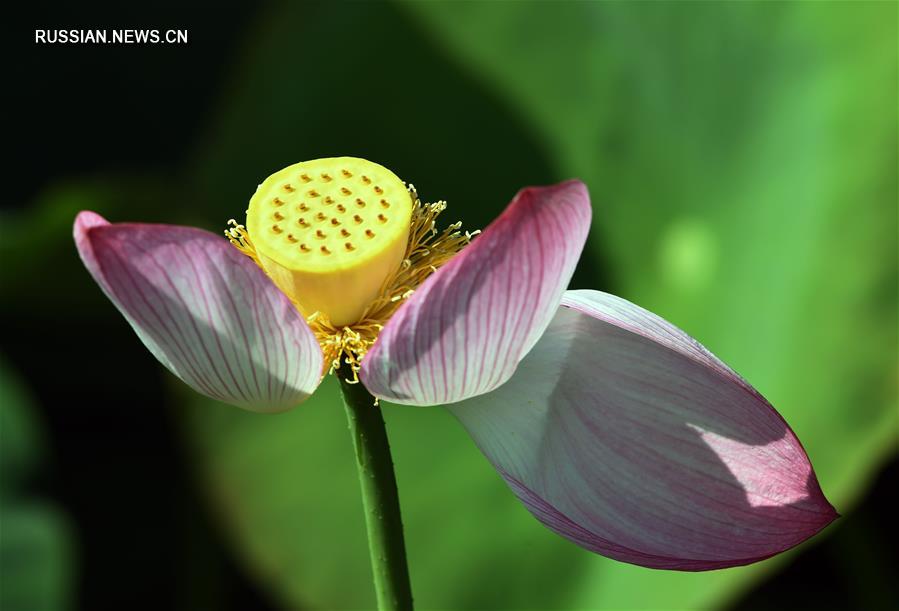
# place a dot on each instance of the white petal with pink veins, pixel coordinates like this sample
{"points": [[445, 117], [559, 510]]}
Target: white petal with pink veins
{"points": [[464, 330], [207, 312], [623, 434]]}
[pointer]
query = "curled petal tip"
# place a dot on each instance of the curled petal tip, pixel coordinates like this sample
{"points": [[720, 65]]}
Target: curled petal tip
{"points": [[85, 221], [572, 187], [88, 219]]}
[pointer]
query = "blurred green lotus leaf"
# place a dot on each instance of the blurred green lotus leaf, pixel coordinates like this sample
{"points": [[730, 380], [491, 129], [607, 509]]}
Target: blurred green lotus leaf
{"points": [[286, 486], [744, 187], [35, 538], [743, 171], [20, 442]]}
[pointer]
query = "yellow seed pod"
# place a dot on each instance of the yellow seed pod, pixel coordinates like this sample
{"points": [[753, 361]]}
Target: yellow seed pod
{"points": [[330, 231]]}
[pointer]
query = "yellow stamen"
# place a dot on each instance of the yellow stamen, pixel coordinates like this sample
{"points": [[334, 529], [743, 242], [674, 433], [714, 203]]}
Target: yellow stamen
{"points": [[347, 333]]}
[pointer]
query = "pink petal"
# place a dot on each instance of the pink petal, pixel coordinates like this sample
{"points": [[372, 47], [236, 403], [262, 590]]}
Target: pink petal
{"points": [[624, 435], [463, 332], [204, 310]]}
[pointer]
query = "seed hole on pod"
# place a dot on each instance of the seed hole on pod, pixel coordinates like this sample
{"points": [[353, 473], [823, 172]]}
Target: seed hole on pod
{"points": [[305, 178], [329, 200], [357, 218], [335, 222], [278, 216], [382, 218], [302, 222], [378, 190], [345, 233], [366, 180], [288, 187], [360, 202], [290, 238], [278, 201], [313, 193], [321, 235], [325, 250], [303, 207], [304, 248], [385, 204], [276, 229], [320, 216], [369, 233], [345, 191], [341, 208], [346, 173], [326, 177], [349, 246]]}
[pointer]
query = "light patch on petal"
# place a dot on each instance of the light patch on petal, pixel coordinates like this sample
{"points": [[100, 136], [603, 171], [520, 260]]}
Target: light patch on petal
{"points": [[751, 467]]}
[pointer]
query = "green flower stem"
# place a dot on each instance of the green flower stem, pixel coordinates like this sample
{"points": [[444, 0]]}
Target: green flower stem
{"points": [[379, 496]]}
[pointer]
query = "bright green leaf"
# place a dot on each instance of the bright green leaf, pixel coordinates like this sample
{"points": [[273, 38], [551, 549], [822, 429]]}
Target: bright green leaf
{"points": [[742, 162]]}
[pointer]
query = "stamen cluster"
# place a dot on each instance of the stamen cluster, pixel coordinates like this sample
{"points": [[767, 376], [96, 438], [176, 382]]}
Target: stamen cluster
{"points": [[426, 250]]}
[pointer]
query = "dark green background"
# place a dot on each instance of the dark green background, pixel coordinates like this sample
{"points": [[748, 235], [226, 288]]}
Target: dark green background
{"points": [[742, 161]]}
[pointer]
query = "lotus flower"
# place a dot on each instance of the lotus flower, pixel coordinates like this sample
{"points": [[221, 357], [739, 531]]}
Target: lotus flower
{"points": [[616, 429]]}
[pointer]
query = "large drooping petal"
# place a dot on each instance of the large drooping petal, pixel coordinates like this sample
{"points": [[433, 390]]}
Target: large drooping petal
{"points": [[463, 332], [204, 310], [623, 434]]}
